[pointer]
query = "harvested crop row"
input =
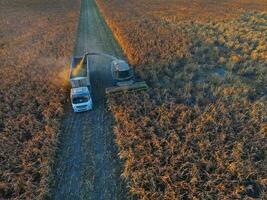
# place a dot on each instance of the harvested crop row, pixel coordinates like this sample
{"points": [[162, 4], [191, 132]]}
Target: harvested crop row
{"points": [[200, 131], [36, 42]]}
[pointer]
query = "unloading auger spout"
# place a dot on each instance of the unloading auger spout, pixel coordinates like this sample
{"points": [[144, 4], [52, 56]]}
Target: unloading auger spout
{"points": [[122, 75]]}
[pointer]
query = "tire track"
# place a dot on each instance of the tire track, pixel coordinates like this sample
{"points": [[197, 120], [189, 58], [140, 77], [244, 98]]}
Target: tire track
{"points": [[87, 162]]}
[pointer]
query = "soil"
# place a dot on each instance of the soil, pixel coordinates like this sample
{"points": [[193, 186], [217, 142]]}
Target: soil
{"points": [[87, 164]]}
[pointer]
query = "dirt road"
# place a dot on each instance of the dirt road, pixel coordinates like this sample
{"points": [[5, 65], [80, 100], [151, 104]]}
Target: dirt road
{"points": [[87, 165]]}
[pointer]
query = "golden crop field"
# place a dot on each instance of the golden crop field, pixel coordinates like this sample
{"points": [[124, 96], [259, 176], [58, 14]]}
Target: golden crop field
{"points": [[200, 131], [36, 41]]}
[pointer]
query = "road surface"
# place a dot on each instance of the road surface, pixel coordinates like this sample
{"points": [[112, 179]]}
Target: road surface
{"points": [[87, 166]]}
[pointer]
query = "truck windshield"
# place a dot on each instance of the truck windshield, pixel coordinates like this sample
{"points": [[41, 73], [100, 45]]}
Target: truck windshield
{"points": [[123, 74], [77, 100]]}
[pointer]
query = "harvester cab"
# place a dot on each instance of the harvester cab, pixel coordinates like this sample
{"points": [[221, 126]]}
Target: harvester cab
{"points": [[121, 72]]}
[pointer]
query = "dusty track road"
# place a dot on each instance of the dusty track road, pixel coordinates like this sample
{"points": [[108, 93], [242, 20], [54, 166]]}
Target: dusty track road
{"points": [[87, 166]]}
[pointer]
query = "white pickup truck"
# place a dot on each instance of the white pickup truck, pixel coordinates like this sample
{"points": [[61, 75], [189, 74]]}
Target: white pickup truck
{"points": [[80, 94]]}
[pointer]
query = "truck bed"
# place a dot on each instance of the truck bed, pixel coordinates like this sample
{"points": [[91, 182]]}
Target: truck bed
{"points": [[78, 70]]}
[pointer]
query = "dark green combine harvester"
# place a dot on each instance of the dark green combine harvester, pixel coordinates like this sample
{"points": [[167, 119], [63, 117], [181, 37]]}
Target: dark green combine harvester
{"points": [[123, 78]]}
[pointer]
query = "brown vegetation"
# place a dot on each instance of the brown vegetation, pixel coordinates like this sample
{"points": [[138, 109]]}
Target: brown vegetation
{"points": [[36, 42], [200, 131]]}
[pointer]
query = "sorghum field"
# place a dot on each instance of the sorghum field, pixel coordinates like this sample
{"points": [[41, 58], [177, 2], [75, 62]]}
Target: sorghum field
{"points": [[36, 42], [200, 132]]}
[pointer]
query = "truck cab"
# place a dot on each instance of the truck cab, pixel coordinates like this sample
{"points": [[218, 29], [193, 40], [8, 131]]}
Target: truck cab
{"points": [[122, 73], [81, 99]]}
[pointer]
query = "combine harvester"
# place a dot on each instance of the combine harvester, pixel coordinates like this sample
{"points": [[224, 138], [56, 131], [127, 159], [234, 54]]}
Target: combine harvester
{"points": [[123, 78], [122, 75]]}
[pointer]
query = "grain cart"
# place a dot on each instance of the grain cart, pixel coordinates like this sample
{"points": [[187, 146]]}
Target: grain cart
{"points": [[80, 94]]}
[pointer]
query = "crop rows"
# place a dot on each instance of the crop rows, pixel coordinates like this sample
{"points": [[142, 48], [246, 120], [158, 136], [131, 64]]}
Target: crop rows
{"points": [[36, 42], [200, 131]]}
